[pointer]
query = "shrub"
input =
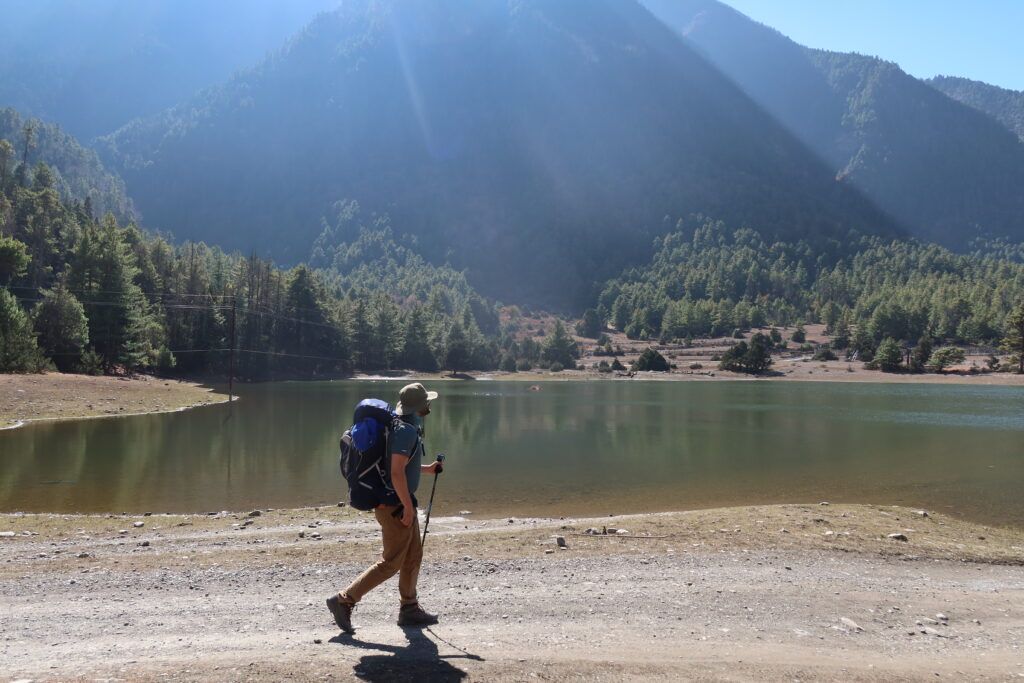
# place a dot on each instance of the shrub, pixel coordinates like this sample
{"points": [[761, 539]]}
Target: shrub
{"points": [[799, 335], [91, 363], [165, 360], [617, 366], [945, 357], [752, 358], [651, 361], [824, 354], [556, 367], [523, 365], [888, 356]]}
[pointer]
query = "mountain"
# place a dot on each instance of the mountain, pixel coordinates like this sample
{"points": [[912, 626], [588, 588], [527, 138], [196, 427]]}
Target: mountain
{"points": [[941, 168], [93, 65], [1006, 106], [538, 143], [78, 172]]}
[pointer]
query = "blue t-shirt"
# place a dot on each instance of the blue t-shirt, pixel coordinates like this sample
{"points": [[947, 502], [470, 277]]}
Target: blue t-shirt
{"points": [[406, 440]]}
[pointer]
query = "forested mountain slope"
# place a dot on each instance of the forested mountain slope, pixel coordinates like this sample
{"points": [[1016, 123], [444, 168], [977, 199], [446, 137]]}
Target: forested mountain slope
{"points": [[1006, 106], [708, 279], [77, 172], [534, 143], [944, 170], [93, 65]]}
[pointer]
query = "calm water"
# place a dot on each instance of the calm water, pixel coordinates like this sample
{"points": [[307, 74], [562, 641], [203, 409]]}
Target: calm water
{"points": [[571, 448]]}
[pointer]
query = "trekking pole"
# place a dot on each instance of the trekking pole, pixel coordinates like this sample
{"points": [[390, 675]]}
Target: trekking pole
{"points": [[430, 505]]}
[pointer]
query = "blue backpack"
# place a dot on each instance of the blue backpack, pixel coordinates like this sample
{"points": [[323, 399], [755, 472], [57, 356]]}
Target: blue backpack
{"points": [[365, 456]]}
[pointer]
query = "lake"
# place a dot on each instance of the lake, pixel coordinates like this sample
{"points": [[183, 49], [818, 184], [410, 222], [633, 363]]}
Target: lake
{"points": [[597, 447]]}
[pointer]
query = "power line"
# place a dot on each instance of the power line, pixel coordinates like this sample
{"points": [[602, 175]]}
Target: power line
{"points": [[253, 351], [197, 307], [119, 292]]}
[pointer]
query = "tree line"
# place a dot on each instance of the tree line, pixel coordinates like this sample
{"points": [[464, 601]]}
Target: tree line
{"points": [[85, 293], [710, 281]]}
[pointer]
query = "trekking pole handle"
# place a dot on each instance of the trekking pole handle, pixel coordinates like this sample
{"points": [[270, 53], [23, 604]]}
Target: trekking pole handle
{"points": [[440, 459]]}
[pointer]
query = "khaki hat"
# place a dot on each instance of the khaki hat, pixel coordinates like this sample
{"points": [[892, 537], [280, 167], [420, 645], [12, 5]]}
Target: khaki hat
{"points": [[413, 398]]}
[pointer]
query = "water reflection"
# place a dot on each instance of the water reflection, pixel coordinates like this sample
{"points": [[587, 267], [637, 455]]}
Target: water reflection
{"points": [[571, 448]]}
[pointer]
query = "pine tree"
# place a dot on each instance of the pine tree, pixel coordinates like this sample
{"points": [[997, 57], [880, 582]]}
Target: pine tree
{"points": [[121, 327], [62, 327], [1013, 340], [388, 340], [6, 155], [560, 348], [457, 354], [922, 354], [18, 350], [590, 325], [361, 333], [14, 259], [416, 352]]}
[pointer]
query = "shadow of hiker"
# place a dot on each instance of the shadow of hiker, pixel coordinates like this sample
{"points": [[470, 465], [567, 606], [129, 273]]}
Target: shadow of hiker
{"points": [[417, 661]]}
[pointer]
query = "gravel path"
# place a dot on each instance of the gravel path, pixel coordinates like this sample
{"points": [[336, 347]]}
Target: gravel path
{"points": [[214, 600]]}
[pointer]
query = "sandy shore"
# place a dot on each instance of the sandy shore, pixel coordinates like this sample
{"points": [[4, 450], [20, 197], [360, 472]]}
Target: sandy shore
{"points": [[811, 592], [57, 396]]}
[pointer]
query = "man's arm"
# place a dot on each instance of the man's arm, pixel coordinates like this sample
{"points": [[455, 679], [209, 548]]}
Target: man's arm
{"points": [[401, 486]]}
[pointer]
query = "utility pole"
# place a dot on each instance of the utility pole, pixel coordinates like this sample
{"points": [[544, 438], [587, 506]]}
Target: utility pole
{"points": [[231, 357]]}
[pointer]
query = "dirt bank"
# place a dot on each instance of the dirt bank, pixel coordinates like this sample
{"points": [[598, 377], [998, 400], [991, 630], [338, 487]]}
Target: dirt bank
{"points": [[53, 395], [765, 593], [698, 361]]}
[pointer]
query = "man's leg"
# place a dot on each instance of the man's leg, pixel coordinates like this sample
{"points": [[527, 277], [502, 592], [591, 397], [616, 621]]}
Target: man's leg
{"points": [[396, 542], [410, 571], [411, 614]]}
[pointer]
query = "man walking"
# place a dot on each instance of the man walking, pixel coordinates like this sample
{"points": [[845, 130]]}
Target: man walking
{"points": [[400, 529]]}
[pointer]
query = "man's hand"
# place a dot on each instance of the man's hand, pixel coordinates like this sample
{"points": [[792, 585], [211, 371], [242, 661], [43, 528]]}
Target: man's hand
{"points": [[433, 468], [408, 514]]}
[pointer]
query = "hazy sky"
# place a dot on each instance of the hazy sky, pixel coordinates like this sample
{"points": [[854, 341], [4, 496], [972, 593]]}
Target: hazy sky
{"points": [[979, 39]]}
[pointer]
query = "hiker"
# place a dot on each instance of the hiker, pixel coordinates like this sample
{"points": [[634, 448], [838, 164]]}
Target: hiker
{"points": [[400, 529]]}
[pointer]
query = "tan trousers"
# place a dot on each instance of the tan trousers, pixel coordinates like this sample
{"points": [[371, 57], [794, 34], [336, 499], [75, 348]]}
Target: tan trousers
{"points": [[402, 555]]}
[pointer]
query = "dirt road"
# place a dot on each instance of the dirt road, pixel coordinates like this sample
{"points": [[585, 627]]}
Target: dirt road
{"points": [[769, 593]]}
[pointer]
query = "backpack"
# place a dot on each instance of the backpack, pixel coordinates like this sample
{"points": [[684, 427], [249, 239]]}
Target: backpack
{"points": [[365, 460]]}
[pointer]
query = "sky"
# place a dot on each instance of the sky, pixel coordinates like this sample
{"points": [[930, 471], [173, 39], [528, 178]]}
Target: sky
{"points": [[978, 39]]}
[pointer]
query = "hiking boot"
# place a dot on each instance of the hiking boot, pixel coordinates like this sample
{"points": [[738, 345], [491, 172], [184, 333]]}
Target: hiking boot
{"points": [[342, 612], [414, 615]]}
